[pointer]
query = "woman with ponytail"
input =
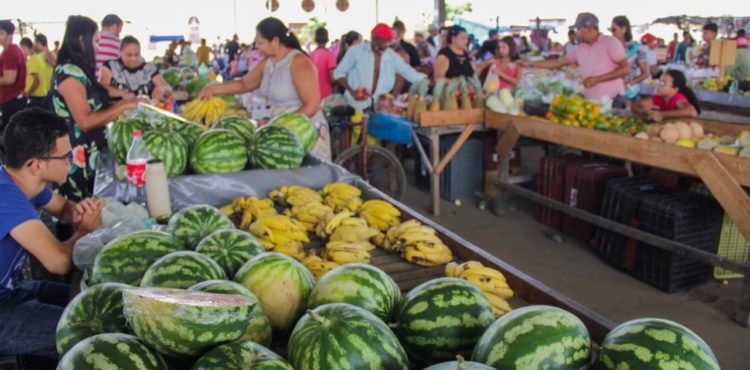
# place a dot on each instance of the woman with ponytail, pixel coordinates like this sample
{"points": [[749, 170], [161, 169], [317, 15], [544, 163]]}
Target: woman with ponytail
{"points": [[673, 99], [286, 78]]}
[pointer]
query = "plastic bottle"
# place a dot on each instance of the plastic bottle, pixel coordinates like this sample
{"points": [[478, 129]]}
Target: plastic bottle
{"points": [[138, 157], [157, 189]]}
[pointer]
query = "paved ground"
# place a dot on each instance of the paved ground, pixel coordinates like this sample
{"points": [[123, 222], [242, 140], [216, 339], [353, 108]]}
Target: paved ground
{"points": [[573, 269]]}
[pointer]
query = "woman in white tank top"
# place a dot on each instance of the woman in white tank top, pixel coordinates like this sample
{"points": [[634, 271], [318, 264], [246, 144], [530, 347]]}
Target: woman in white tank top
{"points": [[286, 78]]}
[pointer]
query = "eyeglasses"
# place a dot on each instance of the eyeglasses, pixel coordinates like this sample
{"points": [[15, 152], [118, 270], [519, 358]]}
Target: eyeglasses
{"points": [[68, 157], [664, 83]]}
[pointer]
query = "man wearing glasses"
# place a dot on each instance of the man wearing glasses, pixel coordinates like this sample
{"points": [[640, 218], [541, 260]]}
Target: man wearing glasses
{"points": [[38, 154]]}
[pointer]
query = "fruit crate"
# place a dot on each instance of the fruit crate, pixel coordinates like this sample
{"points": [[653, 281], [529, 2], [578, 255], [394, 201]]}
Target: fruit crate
{"points": [[732, 246], [620, 203], [552, 185], [687, 218]]}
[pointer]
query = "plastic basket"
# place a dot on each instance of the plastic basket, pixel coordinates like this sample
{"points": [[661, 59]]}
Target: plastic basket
{"points": [[732, 246]]}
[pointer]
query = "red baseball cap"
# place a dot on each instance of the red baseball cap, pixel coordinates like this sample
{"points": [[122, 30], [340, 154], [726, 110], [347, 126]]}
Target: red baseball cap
{"points": [[383, 31], [647, 39]]}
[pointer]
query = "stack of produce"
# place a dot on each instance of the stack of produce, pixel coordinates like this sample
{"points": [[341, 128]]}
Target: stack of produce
{"points": [[281, 234], [238, 124], [318, 265], [503, 102], [341, 196], [418, 244], [491, 281], [578, 112], [205, 111]]}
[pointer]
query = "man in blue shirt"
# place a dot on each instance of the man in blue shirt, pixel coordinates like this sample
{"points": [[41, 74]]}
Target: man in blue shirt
{"points": [[38, 154], [369, 69]]}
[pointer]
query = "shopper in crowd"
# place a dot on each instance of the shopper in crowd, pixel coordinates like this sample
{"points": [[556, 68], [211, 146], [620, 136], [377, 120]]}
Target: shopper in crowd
{"points": [[79, 98], [433, 40], [325, 62], [649, 43], [741, 69], [673, 99], [130, 75], [286, 78], [36, 71], [636, 55], [57, 47], [443, 38], [710, 30], [488, 50], [254, 57], [672, 47], [349, 40], [12, 74], [204, 53], [187, 55], [40, 47], [601, 58], [504, 67], [399, 31], [680, 54], [370, 69], [572, 42], [38, 155], [427, 62], [232, 48], [171, 59], [109, 40], [453, 60]]}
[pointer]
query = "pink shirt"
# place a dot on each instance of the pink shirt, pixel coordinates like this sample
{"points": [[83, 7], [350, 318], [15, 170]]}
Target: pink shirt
{"points": [[325, 61], [598, 59]]}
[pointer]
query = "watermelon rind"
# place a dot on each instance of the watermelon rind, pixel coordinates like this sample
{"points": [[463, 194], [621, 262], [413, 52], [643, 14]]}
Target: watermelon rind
{"points": [[218, 151], [241, 355], [181, 270], [112, 351], [126, 258], [245, 127], [168, 147], [275, 148]]}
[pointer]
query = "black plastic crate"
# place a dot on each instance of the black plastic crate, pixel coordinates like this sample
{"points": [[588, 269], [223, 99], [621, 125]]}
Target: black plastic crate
{"points": [[620, 203], [463, 175], [687, 218]]}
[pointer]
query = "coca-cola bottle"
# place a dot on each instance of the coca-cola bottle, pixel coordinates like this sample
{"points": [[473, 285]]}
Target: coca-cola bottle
{"points": [[138, 156]]}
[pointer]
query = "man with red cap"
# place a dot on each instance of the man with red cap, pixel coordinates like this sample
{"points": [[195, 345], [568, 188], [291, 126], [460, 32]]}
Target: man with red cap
{"points": [[651, 42], [369, 69]]}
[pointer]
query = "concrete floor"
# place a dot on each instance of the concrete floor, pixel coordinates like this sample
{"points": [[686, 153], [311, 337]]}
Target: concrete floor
{"points": [[575, 270]]}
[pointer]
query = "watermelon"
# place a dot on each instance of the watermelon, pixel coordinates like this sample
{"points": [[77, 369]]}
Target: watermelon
{"points": [[343, 336], [442, 318], [189, 131], [168, 147], [230, 248], [181, 270], [535, 337], [244, 355], [648, 343], [259, 330], [218, 151], [127, 257], [281, 284], [275, 147], [94, 311], [120, 137], [362, 285], [183, 323], [460, 364], [112, 351], [301, 125], [245, 127], [194, 223]]}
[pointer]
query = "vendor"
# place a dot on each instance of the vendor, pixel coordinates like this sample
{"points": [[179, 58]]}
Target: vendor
{"points": [[601, 58], [129, 75], [286, 77], [673, 99], [453, 60], [38, 153]]}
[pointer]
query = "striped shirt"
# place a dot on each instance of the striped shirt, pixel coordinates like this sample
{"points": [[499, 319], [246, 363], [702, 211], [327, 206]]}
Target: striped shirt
{"points": [[109, 48]]}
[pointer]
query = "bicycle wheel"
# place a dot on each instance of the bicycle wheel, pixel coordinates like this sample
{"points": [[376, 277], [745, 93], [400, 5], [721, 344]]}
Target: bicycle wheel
{"points": [[339, 139], [384, 170]]}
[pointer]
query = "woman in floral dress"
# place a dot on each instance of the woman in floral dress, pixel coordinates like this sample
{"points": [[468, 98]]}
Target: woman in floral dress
{"points": [[83, 103]]}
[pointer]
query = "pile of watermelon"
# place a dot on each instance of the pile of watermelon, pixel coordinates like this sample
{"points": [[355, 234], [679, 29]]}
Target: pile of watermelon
{"points": [[205, 295], [232, 143]]}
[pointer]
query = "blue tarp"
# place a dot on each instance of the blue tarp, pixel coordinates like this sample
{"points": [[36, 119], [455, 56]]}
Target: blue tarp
{"points": [[158, 38]]}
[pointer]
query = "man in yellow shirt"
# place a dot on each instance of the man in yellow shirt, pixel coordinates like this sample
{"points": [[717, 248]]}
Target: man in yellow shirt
{"points": [[38, 74], [204, 53]]}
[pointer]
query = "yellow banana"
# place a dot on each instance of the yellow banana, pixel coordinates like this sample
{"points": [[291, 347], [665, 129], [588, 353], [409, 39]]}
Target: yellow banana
{"points": [[498, 302], [353, 221], [418, 237], [486, 271], [335, 221], [450, 269], [348, 255], [415, 256], [247, 219], [359, 245], [292, 250], [227, 210], [489, 284], [375, 221], [378, 240], [381, 207]]}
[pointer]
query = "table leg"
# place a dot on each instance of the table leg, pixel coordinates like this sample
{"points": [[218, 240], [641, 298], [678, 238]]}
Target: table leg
{"points": [[435, 178], [506, 140]]}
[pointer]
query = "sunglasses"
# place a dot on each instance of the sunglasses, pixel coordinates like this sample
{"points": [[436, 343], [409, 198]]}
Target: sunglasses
{"points": [[68, 157]]}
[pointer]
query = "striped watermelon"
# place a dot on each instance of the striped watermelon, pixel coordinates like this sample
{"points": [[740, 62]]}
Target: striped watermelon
{"points": [[301, 125], [181, 270], [442, 318], [112, 351], [362, 285], [190, 132], [243, 355], [127, 257], [535, 337], [245, 127], [647, 344], [182, 323], [120, 137], [194, 223], [259, 330], [218, 151], [460, 364], [94, 311], [281, 284], [230, 248], [168, 147], [275, 147], [342, 336]]}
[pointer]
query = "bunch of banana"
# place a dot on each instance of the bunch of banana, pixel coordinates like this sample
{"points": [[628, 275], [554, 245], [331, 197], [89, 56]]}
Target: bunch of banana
{"points": [[205, 112], [330, 222], [393, 237], [253, 209], [426, 251], [349, 252], [340, 197], [235, 208], [491, 281], [279, 231], [380, 214], [317, 265], [310, 214], [295, 195]]}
